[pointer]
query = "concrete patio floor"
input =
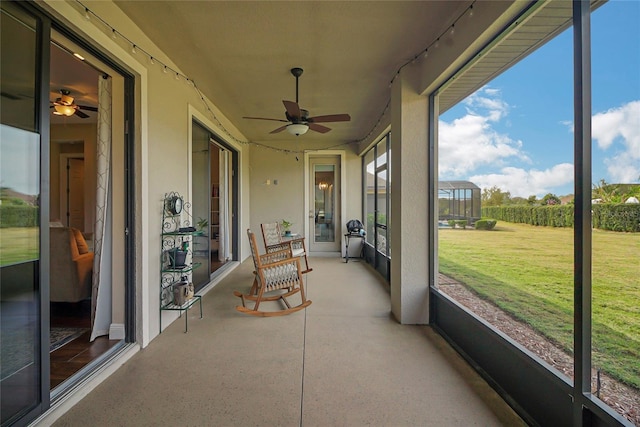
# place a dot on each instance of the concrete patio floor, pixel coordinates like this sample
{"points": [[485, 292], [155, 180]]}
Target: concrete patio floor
{"points": [[344, 361]]}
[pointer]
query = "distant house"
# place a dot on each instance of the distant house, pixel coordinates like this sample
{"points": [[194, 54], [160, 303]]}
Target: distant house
{"points": [[565, 200]]}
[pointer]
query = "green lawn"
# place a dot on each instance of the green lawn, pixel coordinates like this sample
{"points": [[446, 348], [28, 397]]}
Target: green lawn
{"points": [[18, 244], [528, 272]]}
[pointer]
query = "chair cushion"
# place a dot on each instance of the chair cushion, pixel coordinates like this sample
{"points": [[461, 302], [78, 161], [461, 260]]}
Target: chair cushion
{"points": [[83, 248], [296, 252]]}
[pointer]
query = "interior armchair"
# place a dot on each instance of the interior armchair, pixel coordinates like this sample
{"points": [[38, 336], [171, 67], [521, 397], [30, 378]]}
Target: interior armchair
{"points": [[71, 265], [277, 276], [274, 242]]}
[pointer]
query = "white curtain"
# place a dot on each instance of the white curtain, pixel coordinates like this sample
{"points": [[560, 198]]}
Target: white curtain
{"points": [[101, 291], [223, 252]]}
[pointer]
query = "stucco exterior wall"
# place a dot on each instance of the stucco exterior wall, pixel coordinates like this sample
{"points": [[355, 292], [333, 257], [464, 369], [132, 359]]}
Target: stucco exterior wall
{"points": [[277, 184]]}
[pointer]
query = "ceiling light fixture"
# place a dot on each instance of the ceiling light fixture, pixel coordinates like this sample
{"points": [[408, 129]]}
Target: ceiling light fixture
{"points": [[80, 57], [64, 110], [297, 129]]}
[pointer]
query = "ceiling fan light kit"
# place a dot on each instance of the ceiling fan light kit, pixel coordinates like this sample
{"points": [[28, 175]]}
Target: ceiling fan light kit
{"points": [[65, 106], [298, 119], [297, 129], [64, 110]]}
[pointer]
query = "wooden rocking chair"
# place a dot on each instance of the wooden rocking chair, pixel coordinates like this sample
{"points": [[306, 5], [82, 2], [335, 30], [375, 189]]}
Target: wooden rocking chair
{"points": [[274, 242], [276, 272]]}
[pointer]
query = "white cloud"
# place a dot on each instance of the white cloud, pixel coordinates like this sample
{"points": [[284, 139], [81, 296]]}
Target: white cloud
{"points": [[489, 99], [524, 183], [470, 141], [618, 129]]}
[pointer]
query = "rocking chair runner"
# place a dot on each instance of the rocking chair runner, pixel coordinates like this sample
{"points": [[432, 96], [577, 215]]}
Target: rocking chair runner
{"points": [[273, 242], [276, 271]]}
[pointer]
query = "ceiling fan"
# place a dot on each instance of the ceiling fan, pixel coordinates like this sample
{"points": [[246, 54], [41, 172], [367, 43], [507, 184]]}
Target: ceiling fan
{"points": [[298, 119], [65, 106]]}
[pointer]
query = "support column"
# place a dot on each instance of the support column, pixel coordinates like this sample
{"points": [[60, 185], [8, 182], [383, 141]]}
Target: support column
{"points": [[409, 207]]}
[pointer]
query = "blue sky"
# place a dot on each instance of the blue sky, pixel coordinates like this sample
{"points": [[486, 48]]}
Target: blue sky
{"points": [[516, 132]]}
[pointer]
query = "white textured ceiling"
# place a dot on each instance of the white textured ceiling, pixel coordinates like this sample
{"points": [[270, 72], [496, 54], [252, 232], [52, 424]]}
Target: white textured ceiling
{"points": [[240, 54]]}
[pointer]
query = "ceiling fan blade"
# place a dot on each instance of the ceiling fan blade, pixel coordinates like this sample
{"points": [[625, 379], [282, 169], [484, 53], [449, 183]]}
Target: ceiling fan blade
{"points": [[87, 107], [280, 129], [319, 128], [293, 109], [81, 114], [265, 118], [330, 118]]}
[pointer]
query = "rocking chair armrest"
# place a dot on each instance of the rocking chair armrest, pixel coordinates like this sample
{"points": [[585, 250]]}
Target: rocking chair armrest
{"points": [[277, 247], [293, 244], [274, 256], [283, 262], [294, 240]]}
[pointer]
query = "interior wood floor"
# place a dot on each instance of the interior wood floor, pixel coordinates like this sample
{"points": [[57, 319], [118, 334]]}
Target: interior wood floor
{"points": [[215, 262], [75, 355]]}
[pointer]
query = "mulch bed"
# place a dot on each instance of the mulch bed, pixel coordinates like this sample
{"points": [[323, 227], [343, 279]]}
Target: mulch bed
{"points": [[624, 399]]}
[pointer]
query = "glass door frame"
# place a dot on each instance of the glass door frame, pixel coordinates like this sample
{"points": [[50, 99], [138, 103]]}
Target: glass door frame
{"points": [[340, 196], [45, 24], [232, 190]]}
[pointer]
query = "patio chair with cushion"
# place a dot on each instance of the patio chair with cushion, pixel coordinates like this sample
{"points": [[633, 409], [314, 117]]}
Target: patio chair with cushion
{"points": [[274, 242], [277, 274]]}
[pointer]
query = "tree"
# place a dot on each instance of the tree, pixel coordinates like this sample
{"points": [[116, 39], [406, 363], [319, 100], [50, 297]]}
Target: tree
{"points": [[532, 200], [494, 196], [519, 201], [550, 199]]}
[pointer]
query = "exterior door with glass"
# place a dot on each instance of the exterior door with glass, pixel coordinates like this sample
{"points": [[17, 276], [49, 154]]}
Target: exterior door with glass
{"points": [[324, 209]]}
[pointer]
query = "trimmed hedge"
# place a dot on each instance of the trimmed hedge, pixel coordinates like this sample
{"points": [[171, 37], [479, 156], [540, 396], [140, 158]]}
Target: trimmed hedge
{"points": [[485, 224], [462, 223], [19, 216], [614, 217], [622, 217]]}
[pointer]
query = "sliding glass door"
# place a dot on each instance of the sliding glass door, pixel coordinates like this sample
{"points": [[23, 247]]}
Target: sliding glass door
{"points": [[213, 203], [36, 56], [20, 199]]}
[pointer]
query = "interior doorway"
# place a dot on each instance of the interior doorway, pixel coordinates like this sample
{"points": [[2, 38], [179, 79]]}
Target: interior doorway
{"points": [[72, 189]]}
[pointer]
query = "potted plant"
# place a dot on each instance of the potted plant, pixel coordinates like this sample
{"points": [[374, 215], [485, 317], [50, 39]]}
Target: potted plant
{"points": [[202, 223], [286, 226]]}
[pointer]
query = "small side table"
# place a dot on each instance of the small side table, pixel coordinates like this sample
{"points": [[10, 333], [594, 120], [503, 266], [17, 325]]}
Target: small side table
{"points": [[347, 238]]}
